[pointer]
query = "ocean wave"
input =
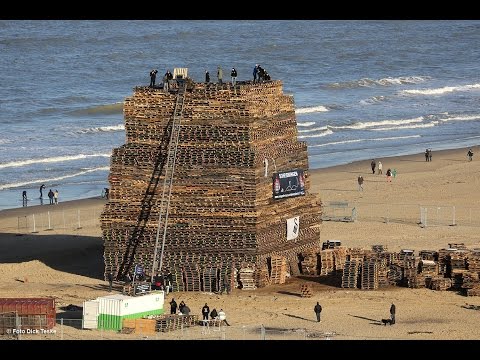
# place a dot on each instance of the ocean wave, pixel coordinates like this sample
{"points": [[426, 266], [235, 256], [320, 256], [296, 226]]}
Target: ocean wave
{"points": [[8, 141], [440, 91], [389, 81], [373, 100], [322, 128], [412, 126], [312, 109], [462, 118], [362, 140], [47, 181], [325, 133], [116, 108], [370, 124], [119, 127], [305, 124], [55, 159]]}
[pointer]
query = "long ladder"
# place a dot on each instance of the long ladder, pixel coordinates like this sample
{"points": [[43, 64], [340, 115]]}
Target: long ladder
{"points": [[168, 180]]}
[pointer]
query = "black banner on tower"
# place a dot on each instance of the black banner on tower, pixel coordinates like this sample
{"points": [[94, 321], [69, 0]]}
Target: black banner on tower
{"points": [[288, 184]]}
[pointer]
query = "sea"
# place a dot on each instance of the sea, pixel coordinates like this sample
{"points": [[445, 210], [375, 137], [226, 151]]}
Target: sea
{"points": [[363, 89]]}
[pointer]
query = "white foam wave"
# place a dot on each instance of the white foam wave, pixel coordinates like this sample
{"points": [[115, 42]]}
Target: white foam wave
{"points": [[413, 126], [7, 141], [441, 91], [322, 128], [373, 100], [362, 140], [370, 124], [312, 109], [388, 81], [119, 127], [55, 159], [325, 133], [462, 118], [308, 123], [46, 181]]}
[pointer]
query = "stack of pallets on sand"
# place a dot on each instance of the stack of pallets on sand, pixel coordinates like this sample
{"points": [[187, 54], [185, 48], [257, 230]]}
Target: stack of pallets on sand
{"points": [[440, 283], [457, 278], [339, 257], [475, 291], [306, 290], [395, 274], [261, 276], [139, 326], [331, 244], [350, 274], [382, 265], [369, 275], [458, 246], [166, 323], [278, 270], [379, 248], [247, 278], [177, 279], [473, 261], [458, 259], [444, 266], [309, 263], [210, 279], [230, 142], [428, 255], [327, 261], [470, 281]]}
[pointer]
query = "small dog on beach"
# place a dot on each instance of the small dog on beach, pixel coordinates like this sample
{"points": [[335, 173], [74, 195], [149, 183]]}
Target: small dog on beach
{"points": [[387, 321]]}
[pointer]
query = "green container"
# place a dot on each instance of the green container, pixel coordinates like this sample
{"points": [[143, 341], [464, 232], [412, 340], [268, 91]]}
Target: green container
{"points": [[115, 322]]}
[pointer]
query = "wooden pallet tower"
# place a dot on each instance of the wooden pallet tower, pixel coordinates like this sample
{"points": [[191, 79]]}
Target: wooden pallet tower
{"points": [[211, 176]]}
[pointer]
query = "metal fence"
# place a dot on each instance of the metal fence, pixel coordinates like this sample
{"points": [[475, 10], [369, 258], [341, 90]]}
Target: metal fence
{"points": [[420, 214], [58, 220], [71, 329]]}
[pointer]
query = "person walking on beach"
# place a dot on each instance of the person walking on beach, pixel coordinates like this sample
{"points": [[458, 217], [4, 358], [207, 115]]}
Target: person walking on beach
{"points": [[470, 155], [153, 76], [318, 311], [430, 155], [220, 75], [360, 183], [426, 154], [222, 317], [173, 307], [380, 168], [233, 74], [110, 281], [41, 190], [394, 173], [207, 76], [55, 196], [389, 175], [392, 313], [24, 198], [205, 311], [373, 164], [50, 196]]}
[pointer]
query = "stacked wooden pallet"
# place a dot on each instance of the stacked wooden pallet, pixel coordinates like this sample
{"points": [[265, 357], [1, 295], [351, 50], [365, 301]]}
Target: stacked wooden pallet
{"points": [[383, 273], [458, 246], [139, 326], [428, 255], [470, 280], [473, 261], [221, 209], [475, 291], [440, 283], [309, 264], [331, 244], [327, 262], [428, 267], [457, 278], [350, 274], [166, 323], [210, 279], [395, 274], [379, 248], [444, 266], [458, 260], [278, 270], [340, 256], [369, 275], [306, 290], [355, 254], [262, 277], [247, 278]]}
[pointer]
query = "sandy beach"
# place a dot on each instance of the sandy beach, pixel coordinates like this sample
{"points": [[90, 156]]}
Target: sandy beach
{"points": [[67, 263]]}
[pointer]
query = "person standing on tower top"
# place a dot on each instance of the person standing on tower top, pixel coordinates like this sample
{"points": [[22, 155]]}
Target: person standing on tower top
{"points": [[153, 76], [233, 74]]}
